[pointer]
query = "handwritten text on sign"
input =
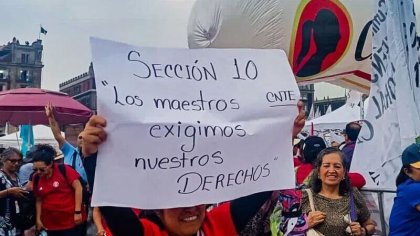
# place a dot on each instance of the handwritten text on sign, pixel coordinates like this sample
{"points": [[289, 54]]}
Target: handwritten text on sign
{"points": [[187, 127]]}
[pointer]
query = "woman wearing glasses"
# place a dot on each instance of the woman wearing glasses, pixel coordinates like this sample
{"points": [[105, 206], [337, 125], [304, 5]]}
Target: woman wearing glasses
{"points": [[10, 190], [58, 195]]}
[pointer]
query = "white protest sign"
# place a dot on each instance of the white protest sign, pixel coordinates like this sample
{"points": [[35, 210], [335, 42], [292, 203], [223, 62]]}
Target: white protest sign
{"points": [[393, 118], [187, 127]]}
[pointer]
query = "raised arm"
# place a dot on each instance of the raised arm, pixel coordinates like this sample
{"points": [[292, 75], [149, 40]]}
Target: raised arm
{"points": [[55, 128], [93, 135]]}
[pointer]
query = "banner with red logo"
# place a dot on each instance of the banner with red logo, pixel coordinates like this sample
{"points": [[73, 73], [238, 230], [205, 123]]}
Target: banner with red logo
{"points": [[326, 40]]}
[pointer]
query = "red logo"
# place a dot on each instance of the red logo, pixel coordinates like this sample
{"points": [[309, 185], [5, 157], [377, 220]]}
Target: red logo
{"points": [[321, 36]]}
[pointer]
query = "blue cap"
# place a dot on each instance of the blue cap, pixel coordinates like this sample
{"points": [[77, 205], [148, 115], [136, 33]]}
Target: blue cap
{"points": [[411, 156]]}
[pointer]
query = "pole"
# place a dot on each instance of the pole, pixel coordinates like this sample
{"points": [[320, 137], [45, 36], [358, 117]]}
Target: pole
{"points": [[362, 108], [381, 209]]}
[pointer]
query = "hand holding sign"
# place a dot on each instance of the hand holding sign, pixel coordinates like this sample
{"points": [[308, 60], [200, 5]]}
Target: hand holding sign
{"points": [[93, 135], [300, 119]]}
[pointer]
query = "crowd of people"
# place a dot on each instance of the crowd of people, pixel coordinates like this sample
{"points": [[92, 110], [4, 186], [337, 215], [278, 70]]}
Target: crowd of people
{"points": [[326, 200]]}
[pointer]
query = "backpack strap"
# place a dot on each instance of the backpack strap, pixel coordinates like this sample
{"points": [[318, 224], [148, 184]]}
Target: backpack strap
{"points": [[35, 181], [73, 161], [62, 170], [353, 211]]}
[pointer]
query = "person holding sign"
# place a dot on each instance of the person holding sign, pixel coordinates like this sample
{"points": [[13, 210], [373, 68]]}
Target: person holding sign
{"points": [[227, 219], [405, 214]]}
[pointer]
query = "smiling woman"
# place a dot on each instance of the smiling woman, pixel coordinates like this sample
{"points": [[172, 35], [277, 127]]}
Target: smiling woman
{"points": [[338, 209]]}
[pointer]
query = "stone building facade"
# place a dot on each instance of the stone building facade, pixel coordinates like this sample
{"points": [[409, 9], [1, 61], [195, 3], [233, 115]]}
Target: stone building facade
{"points": [[20, 66], [82, 88]]}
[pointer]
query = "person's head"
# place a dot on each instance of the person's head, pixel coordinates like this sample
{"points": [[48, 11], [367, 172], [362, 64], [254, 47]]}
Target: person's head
{"points": [[182, 221], [43, 157], [330, 170], [59, 157], [410, 164], [80, 140], [351, 131], [335, 144], [11, 158], [312, 145]]}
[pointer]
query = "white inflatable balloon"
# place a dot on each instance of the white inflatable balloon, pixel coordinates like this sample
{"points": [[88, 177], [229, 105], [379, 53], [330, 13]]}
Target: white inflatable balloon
{"points": [[326, 40]]}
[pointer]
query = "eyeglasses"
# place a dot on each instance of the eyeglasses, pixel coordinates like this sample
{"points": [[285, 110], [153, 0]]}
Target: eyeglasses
{"points": [[39, 170], [14, 161]]}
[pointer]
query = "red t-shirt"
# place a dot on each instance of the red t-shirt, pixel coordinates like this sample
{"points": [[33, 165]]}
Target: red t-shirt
{"points": [[57, 196], [296, 161]]}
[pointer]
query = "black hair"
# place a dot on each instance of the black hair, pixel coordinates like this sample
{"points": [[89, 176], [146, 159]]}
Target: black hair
{"points": [[316, 183], [311, 152], [44, 153], [402, 176], [353, 130]]}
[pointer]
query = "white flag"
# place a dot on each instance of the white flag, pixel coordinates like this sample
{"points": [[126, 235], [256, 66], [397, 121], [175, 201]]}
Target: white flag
{"points": [[317, 113], [311, 115], [393, 118], [329, 109]]}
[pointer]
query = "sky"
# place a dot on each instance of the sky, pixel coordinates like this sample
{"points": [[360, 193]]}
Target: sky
{"points": [[66, 54], [69, 25]]}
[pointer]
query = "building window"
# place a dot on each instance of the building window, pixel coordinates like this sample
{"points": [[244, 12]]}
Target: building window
{"points": [[76, 89], [85, 101], [24, 75], [2, 75], [24, 58]]}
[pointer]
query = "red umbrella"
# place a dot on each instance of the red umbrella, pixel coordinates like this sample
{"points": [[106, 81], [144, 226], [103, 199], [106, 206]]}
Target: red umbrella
{"points": [[27, 106]]}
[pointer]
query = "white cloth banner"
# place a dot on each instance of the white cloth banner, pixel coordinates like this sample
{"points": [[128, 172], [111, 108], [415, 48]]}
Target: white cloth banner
{"points": [[393, 118], [188, 127]]}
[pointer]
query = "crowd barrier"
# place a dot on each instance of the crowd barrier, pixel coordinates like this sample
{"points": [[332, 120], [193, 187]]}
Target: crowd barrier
{"points": [[377, 207]]}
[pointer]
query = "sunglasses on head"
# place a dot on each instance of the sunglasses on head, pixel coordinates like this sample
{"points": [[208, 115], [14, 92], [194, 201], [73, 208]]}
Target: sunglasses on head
{"points": [[14, 161]]}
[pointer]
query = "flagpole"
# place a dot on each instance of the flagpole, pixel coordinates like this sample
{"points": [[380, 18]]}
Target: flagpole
{"points": [[39, 33]]}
